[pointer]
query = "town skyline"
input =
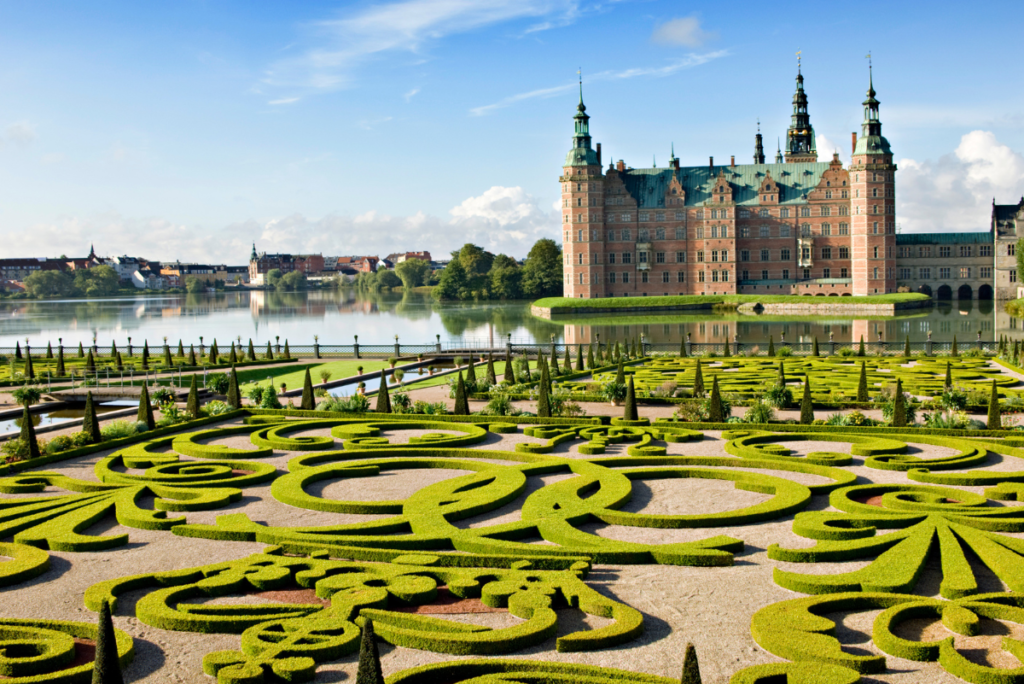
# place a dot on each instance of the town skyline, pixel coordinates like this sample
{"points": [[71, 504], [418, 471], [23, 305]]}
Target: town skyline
{"points": [[297, 148]]}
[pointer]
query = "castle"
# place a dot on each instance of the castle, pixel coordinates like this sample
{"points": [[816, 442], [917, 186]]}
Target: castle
{"points": [[796, 226]]}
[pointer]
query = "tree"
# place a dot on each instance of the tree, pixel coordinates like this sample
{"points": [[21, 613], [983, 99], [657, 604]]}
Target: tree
{"points": [[620, 374], [168, 362], [293, 281], [28, 433], [954, 351], [273, 276], [771, 346], [453, 283], [899, 408], [630, 412], [27, 395], [590, 357], [192, 355], [307, 403], [61, 371], [214, 352], [579, 357], [543, 400], [49, 284], [542, 272], [461, 403], [691, 669], [806, 406], [145, 355], [814, 351], [270, 352], [192, 405], [906, 347], [181, 350], [862, 383], [698, 382], [568, 361], [492, 379], [860, 349], [477, 262], [91, 426], [471, 372], [194, 285], [506, 278], [234, 396], [97, 281], [369, 671], [948, 383], [780, 380], [510, 374], [106, 667], [554, 360], [413, 272], [715, 410], [383, 398], [995, 421], [145, 414], [388, 278], [233, 358]]}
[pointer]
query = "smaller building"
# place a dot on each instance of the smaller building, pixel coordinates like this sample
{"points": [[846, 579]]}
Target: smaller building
{"points": [[398, 257], [260, 264], [19, 269]]}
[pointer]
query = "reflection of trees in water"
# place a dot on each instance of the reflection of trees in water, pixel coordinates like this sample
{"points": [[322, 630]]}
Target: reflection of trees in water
{"points": [[459, 317]]}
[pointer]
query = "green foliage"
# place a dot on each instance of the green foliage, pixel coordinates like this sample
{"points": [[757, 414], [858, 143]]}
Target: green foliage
{"points": [[806, 407], [369, 671], [715, 408], [542, 272], [384, 399], [860, 348], [771, 345], [994, 418], [233, 395], [899, 411], [28, 434], [27, 395], [698, 382], [106, 667], [307, 403], [145, 414], [413, 272], [862, 383], [461, 407], [629, 412], [691, 670], [91, 426], [192, 404]]}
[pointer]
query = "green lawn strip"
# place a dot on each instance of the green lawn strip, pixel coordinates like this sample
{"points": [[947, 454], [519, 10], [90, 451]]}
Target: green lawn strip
{"points": [[294, 374], [720, 300]]}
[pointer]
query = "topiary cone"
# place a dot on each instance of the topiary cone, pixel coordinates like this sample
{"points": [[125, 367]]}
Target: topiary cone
{"points": [[771, 346], [369, 671], [554, 361], [106, 668], [579, 357], [471, 371], [630, 412], [307, 393], [90, 425], [995, 421], [899, 409], [383, 398], [948, 382], [814, 351], [568, 360], [860, 349], [862, 383], [698, 382], [906, 347], [461, 403], [192, 405], [28, 433], [492, 379], [145, 414], [234, 396], [620, 374], [590, 357], [691, 669], [806, 405], [543, 400], [715, 411]]}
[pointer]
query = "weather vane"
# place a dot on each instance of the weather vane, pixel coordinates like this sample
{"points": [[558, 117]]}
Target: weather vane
{"points": [[798, 60]]}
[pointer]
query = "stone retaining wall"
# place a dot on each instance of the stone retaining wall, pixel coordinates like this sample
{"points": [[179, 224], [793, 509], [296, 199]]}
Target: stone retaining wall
{"points": [[801, 306]]}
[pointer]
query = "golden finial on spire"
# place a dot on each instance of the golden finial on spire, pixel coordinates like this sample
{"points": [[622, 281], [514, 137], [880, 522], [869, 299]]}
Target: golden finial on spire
{"points": [[798, 60]]}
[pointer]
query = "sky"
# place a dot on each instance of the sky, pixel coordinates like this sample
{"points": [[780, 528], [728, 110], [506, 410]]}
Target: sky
{"points": [[191, 129]]}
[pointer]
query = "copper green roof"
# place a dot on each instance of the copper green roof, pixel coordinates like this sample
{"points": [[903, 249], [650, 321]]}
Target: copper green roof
{"points": [[974, 238], [648, 186]]}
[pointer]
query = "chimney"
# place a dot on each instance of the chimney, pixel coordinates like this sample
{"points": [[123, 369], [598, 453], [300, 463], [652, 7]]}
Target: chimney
{"points": [[598, 154], [732, 161], [853, 145], [621, 166], [675, 164], [711, 163]]}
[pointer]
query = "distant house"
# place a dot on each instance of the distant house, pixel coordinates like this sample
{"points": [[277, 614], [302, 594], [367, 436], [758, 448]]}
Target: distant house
{"points": [[89, 261], [398, 257], [260, 264], [352, 265], [176, 273], [19, 269], [147, 279]]}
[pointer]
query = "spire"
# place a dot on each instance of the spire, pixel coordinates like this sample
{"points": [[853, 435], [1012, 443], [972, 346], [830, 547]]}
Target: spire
{"points": [[581, 153], [672, 155], [253, 256], [758, 145], [871, 140], [800, 145], [778, 151], [654, 161]]}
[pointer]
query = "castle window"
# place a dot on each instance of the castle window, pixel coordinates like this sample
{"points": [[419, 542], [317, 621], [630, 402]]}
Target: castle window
{"points": [[714, 231], [581, 278], [659, 257], [1013, 275], [714, 255], [744, 255], [625, 277], [580, 257], [1011, 250], [805, 211], [714, 213], [965, 250], [714, 276], [680, 216], [965, 272], [680, 257], [945, 252], [700, 276], [985, 272], [626, 217], [843, 273], [874, 228], [826, 229], [874, 192], [745, 276], [785, 274], [680, 234], [579, 236], [725, 231], [643, 276], [611, 278], [643, 235], [844, 229], [725, 255], [826, 211], [828, 194], [784, 213], [627, 258], [924, 273], [660, 216], [700, 256], [805, 253], [944, 273], [826, 253], [985, 250], [764, 275], [579, 187], [724, 213], [784, 231], [611, 257], [844, 252], [699, 214], [785, 255], [744, 232], [644, 216], [680, 276], [700, 233], [875, 253], [744, 213], [763, 213], [765, 255], [826, 273], [876, 274], [664, 276], [765, 231], [807, 274], [627, 234], [805, 229], [843, 195], [659, 234]]}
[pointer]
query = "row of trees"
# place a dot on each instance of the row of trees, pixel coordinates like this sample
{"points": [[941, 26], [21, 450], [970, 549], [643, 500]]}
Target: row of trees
{"points": [[90, 282], [291, 281], [474, 273]]}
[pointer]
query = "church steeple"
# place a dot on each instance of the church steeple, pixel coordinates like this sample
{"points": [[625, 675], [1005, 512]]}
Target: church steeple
{"points": [[778, 152], [758, 146], [253, 256], [800, 145], [581, 153]]}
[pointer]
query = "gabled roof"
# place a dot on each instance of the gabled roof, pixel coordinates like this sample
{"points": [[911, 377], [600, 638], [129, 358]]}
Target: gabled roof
{"points": [[648, 186], [973, 238]]}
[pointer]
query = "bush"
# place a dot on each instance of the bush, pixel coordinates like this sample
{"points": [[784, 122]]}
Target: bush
{"points": [[59, 443], [614, 391], [784, 351], [974, 353], [857, 419], [171, 415], [357, 403], [269, 398], [117, 429], [779, 397], [500, 404], [161, 395], [216, 408], [81, 439], [401, 403], [562, 405], [437, 408], [846, 351], [15, 450], [218, 383], [253, 392], [760, 411]]}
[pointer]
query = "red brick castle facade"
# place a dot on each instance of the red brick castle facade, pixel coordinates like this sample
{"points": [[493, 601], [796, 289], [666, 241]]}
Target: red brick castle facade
{"points": [[798, 226]]}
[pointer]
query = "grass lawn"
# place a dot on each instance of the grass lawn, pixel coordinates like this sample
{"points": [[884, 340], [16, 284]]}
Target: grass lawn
{"points": [[293, 374], [719, 300]]}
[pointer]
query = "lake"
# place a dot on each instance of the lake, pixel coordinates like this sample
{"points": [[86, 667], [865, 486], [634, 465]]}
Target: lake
{"points": [[336, 316]]}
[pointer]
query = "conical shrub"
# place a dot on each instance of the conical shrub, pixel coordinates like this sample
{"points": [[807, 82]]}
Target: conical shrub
{"points": [[780, 379], [383, 398], [461, 403], [145, 354], [106, 668], [251, 354], [510, 373], [192, 356], [120, 363], [90, 363], [691, 669], [860, 349], [567, 363], [168, 362], [287, 351], [17, 350], [862, 383], [955, 351], [554, 361], [181, 350], [234, 395], [307, 393], [81, 352], [471, 372], [369, 671], [899, 406], [906, 347], [233, 356], [715, 410], [90, 425], [543, 400], [682, 348], [995, 421], [270, 352], [28, 433], [214, 353], [620, 374], [145, 414], [948, 382], [61, 371], [590, 357], [492, 378], [192, 405], [806, 405], [771, 345], [698, 382], [630, 412], [814, 350]]}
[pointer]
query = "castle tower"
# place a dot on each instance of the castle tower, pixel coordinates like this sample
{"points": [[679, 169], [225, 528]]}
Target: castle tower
{"points": [[758, 147], [583, 212], [800, 145], [873, 205]]}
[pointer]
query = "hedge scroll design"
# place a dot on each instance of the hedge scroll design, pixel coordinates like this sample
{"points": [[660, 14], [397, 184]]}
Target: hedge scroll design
{"points": [[508, 671], [797, 630], [425, 521], [41, 651], [955, 520], [289, 639]]}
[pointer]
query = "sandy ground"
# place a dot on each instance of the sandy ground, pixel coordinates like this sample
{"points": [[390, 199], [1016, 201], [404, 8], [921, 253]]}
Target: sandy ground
{"points": [[710, 607]]}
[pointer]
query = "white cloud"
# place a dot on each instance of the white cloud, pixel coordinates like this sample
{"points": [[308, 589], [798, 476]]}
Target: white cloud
{"points": [[826, 147], [685, 31], [411, 94], [687, 62], [284, 100], [400, 27], [501, 219], [956, 191], [21, 133]]}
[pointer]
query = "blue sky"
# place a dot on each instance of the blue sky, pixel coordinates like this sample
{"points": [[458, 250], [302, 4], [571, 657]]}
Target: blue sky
{"points": [[189, 129]]}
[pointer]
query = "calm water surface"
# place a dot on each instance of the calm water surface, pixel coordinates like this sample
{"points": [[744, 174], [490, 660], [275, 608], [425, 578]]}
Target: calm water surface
{"points": [[336, 316]]}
